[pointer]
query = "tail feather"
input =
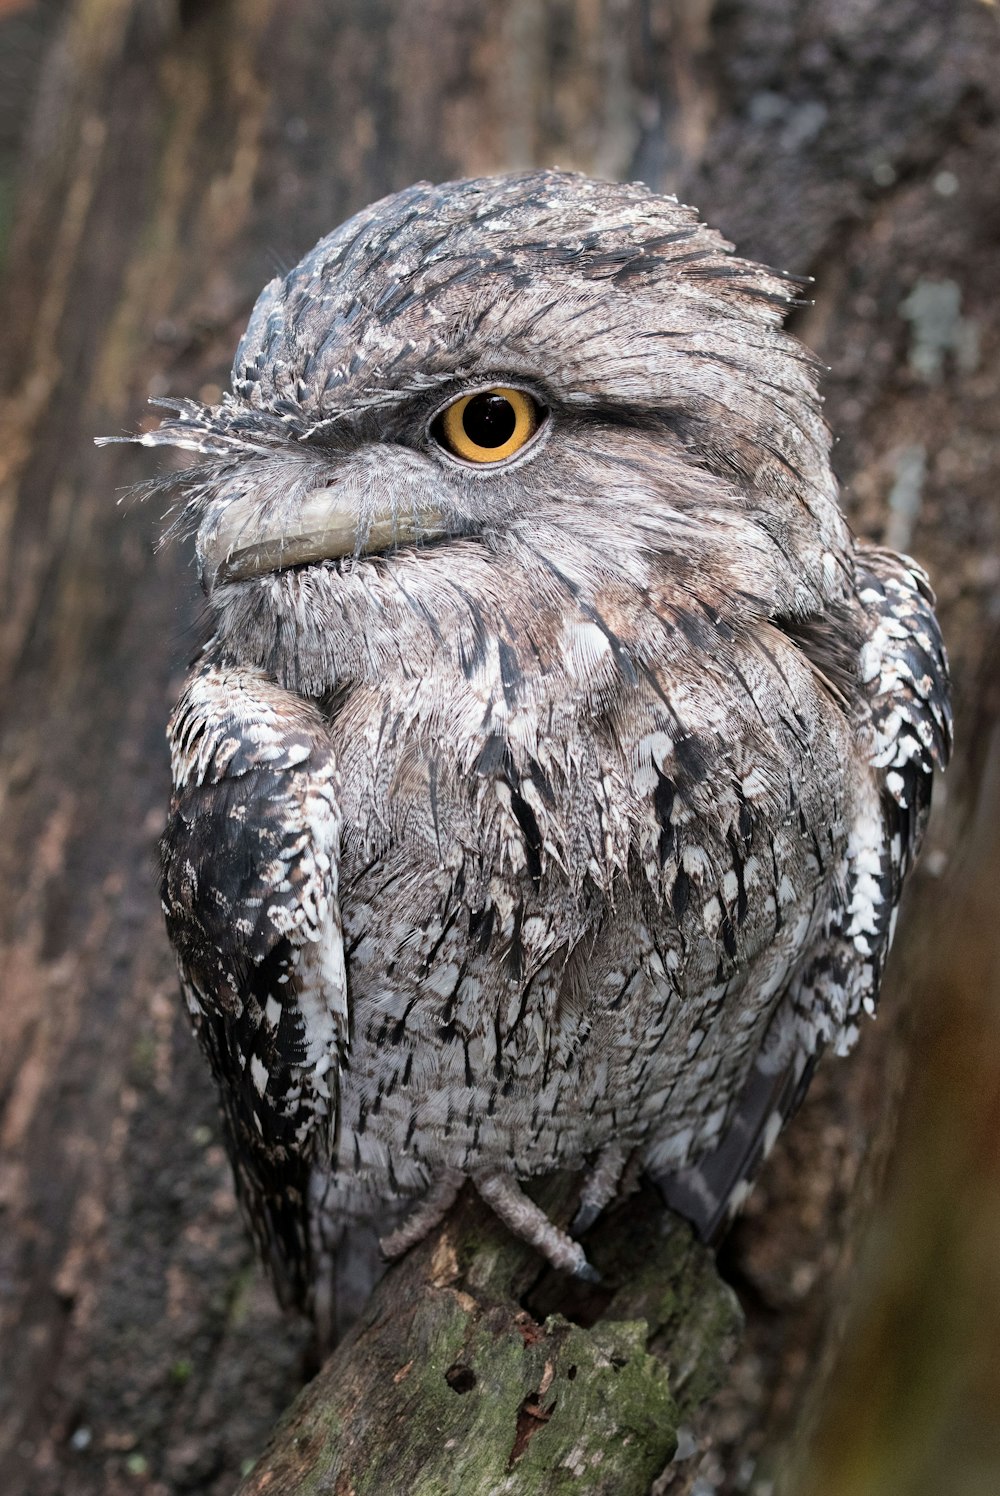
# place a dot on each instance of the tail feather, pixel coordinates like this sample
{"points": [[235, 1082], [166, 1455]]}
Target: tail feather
{"points": [[711, 1192]]}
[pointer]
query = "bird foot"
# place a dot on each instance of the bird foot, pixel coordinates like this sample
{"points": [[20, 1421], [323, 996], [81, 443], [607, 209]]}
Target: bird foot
{"points": [[429, 1212], [525, 1219], [600, 1187]]}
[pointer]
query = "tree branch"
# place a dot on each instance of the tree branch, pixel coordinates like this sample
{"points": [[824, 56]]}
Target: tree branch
{"points": [[471, 1370]]}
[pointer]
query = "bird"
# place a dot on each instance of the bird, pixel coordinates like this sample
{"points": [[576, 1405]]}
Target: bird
{"points": [[544, 795]]}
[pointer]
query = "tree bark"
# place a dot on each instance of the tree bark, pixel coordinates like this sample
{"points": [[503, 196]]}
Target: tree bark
{"points": [[470, 1371], [178, 151]]}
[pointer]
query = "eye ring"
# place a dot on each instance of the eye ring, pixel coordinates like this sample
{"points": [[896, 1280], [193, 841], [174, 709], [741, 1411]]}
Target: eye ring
{"points": [[489, 425]]}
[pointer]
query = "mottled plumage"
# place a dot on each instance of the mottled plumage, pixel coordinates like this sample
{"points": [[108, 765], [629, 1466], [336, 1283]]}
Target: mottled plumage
{"points": [[561, 810]]}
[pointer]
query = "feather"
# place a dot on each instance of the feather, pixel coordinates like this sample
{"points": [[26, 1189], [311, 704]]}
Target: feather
{"points": [[249, 887], [614, 785]]}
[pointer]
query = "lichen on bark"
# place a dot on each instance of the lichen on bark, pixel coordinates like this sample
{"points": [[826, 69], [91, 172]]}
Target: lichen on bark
{"points": [[473, 1371]]}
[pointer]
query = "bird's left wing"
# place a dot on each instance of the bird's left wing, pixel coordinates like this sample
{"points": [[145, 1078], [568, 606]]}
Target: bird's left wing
{"points": [[249, 887], [903, 670]]}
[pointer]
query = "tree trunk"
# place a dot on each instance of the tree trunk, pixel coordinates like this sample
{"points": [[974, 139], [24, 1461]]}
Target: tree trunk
{"points": [[178, 151]]}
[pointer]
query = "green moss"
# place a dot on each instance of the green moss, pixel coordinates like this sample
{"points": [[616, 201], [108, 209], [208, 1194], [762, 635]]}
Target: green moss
{"points": [[486, 1411], [460, 1391]]}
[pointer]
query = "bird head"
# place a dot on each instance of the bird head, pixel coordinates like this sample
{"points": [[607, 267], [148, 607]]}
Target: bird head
{"points": [[542, 381]]}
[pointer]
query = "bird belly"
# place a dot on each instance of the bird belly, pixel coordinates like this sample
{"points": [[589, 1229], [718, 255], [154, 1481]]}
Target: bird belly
{"points": [[548, 952], [636, 1037]]}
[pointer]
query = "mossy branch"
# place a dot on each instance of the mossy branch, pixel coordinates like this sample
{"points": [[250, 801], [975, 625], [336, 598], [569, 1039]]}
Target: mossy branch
{"points": [[471, 1371]]}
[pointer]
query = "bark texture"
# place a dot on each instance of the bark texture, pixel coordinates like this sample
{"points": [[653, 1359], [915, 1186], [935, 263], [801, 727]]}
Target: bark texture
{"points": [[463, 1375], [177, 151]]}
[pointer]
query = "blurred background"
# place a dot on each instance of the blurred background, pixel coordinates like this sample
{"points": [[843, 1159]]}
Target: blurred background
{"points": [[159, 161]]}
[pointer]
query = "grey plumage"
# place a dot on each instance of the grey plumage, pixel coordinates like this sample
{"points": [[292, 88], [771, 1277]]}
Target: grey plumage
{"points": [[529, 814]]}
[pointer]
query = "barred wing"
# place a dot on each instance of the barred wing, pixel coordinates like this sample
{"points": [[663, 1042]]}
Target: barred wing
{"points": [[903, 670], [249, 887]]}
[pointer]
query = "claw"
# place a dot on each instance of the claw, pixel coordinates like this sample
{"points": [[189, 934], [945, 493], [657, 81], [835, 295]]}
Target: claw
{"points": [[585, 1217], [587, 1273], [600, 1187]]}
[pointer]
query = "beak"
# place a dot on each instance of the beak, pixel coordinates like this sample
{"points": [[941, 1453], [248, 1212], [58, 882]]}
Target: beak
{"points": [[326, 525]]}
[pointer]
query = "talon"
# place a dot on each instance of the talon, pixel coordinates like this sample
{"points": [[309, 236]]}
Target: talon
{"points": [[600, 1187], [587, 1273], [585, 1217]]}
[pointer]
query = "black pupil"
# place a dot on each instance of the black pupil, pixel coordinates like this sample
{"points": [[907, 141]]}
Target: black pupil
{"points": [[489, 420]]}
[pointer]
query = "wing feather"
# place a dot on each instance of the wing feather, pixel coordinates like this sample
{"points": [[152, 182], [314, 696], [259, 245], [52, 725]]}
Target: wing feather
{"points": [[249, 887], [908, 731]]}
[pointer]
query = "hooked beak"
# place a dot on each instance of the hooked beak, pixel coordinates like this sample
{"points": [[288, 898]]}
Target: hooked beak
{"points": [[326, 525]]}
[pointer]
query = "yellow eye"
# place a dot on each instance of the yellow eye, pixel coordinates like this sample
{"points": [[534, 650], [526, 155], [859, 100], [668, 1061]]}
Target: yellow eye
{"points": [[488, 426]]}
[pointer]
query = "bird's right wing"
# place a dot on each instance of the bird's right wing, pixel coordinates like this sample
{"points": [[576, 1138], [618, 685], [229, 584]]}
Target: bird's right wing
{"points": [[249, 887]]}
